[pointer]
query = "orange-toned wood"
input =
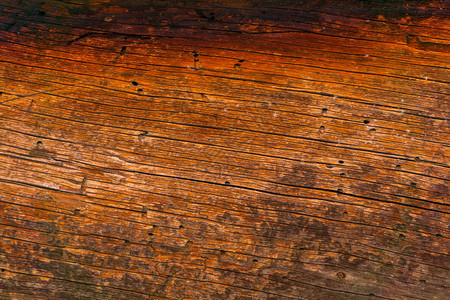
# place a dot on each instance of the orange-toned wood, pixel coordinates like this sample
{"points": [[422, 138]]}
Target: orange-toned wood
{"points": [[224, 150]]}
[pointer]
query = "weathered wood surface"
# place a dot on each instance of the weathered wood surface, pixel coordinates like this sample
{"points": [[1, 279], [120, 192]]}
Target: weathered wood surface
{"points": [[212, 150]]}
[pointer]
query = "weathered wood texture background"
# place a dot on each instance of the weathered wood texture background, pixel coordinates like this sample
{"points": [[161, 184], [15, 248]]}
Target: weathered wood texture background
{"points": [[224, 150]]}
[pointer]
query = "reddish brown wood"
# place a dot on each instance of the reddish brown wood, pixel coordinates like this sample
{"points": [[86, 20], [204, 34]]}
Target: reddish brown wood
{"points": [[212, 150]]}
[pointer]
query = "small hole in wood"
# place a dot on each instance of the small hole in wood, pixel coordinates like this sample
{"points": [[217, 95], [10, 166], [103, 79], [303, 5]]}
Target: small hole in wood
{"points": [[255, 260], [140, 90], [413, 184], [438, 235], [372, 294], [42, 13], [417, 158], [398, 167], [341, 275], [150, 233], [324, 110], [329, 166], [372, 129], [341, 161], [181, 227], [134, 83], [3, 270], [126, 241], [38, 143], [76, 211], [227, 182], [366, 121], [339, 191], [223, 252], [241, 60], [342, 174], [143, 133], [402, 236]]}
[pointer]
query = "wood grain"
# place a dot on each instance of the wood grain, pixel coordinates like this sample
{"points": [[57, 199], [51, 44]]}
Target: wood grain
{"points": [[224, 150]]}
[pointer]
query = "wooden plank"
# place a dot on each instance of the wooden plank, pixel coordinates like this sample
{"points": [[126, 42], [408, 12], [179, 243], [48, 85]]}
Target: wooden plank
{"points": [[212, 150]]}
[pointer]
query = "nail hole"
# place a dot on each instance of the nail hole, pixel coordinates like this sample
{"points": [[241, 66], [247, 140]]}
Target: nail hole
{"points": [[438, 235], [341, 275], [134, 83], [322, 129], [366, 121], [372, 129], [223, 252], [422, 280], [241, 60], [154, 226], [329, 166], [140, 90], [413, 184], [401, 235], [227, 182], [38, 143], [398, 167], [341, 161], [126, 241], [3, 270], [76, 211], [144, 209], [345, 213], [195, 53], [150, 234], [417, 158], [342, 174], [324, 110], [339, 191], [1, 93], [181, 226], [42, 13], [255, 260], [372, 294]]}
